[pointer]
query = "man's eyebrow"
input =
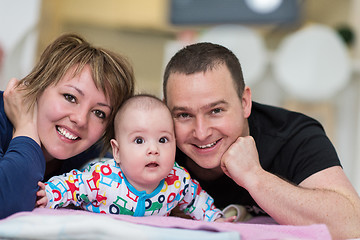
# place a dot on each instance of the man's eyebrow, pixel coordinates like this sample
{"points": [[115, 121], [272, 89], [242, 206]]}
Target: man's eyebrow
{"points": [[176, 108], [214, 104], [210, 105]]}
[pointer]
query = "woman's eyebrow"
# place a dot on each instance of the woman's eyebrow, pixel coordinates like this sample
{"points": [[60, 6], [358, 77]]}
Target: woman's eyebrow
{"points": [[82, 94], [76, 88]]}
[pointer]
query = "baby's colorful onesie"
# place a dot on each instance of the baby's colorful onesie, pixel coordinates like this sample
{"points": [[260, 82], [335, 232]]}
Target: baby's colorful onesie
{"points": [[103, 188]]}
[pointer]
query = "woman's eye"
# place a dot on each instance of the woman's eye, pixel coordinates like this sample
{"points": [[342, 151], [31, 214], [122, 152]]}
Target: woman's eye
{"points": [[99, 114], [139, 140], [69, 98], [163, 140]]}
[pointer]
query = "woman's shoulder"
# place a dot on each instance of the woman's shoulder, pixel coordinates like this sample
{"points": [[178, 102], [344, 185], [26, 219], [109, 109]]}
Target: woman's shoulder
{"points": [[2, 109], [6, 128]]}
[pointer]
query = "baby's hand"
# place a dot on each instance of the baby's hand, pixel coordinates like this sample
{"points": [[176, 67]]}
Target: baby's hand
{"points": [[41, 196], [226, 219]]}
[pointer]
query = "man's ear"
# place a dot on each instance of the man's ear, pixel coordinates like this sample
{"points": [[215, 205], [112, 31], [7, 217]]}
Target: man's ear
{"points": [[115, 150], [246, 101]]}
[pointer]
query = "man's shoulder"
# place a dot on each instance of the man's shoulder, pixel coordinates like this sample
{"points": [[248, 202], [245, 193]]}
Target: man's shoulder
{"points": [[279, 122], [278, 131], [276, 112]]}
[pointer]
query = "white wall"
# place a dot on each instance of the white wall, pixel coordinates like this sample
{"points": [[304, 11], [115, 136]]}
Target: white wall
{"points": [[18, 38]]}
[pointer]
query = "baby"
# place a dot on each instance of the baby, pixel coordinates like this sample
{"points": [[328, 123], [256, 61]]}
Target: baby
{"points": [[143, 178]]}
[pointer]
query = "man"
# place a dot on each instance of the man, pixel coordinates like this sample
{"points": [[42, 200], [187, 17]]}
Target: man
{"points": [[268, 159]]}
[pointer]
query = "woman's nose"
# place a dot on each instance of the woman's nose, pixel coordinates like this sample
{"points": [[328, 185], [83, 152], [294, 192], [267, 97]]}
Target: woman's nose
{"points": [[79, 117]]}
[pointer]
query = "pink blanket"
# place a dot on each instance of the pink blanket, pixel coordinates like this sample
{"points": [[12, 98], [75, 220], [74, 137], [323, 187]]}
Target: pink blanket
{"points": [[258, 228]]}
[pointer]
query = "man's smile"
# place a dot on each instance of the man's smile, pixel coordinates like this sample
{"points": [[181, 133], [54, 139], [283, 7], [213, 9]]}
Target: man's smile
{"points": [[210, 145]]}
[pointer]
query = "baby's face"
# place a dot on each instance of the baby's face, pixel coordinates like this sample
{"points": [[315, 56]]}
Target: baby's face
{"points": [[147, 146]]}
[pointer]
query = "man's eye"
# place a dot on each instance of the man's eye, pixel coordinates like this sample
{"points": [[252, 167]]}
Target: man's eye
{"points": [[139, 140], [216, 110], [163, 140], [182, 115], [70, 98], [99, 114]]}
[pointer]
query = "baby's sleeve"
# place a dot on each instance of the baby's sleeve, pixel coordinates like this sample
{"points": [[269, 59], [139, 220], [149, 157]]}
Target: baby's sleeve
{"points": [[198, 203], [75, 187]]}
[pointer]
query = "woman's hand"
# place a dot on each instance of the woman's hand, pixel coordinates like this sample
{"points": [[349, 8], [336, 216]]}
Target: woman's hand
{"points": [[18, 110]]}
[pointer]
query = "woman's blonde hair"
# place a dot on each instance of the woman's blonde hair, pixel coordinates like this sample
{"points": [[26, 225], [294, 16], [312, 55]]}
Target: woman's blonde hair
{"points": [[111, 72]]}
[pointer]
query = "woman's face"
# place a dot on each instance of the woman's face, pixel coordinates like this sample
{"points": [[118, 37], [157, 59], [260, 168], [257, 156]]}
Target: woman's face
{"points": [[72, 115]]}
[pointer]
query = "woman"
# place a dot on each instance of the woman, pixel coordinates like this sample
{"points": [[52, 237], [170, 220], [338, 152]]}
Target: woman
{"points": [[63, 110]]}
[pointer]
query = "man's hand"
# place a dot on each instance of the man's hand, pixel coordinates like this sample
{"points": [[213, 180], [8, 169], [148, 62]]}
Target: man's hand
{"points": [[226, 219], [241, 161]]}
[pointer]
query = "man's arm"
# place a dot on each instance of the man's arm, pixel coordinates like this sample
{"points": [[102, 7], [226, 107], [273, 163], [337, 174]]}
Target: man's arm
{"points": [[325, 197]]}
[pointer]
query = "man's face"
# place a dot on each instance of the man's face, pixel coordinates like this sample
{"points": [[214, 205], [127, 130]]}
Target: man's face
{"points": [[208, 114]]}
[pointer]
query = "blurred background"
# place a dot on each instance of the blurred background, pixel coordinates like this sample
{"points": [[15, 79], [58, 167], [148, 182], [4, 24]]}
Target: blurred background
{"points": [[302, 55]]}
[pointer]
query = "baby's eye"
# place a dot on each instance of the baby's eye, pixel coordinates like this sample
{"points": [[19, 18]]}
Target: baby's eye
{"points": [[70, 98], [139, 140], [99, 114], [163, 140]]}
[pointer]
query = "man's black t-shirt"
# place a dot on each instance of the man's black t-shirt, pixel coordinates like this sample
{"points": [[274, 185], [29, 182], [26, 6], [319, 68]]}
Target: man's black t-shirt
{"points": [[290, 145]]}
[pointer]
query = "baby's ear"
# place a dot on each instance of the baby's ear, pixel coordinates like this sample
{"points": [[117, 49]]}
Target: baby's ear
{"points": [[115, 150]]}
